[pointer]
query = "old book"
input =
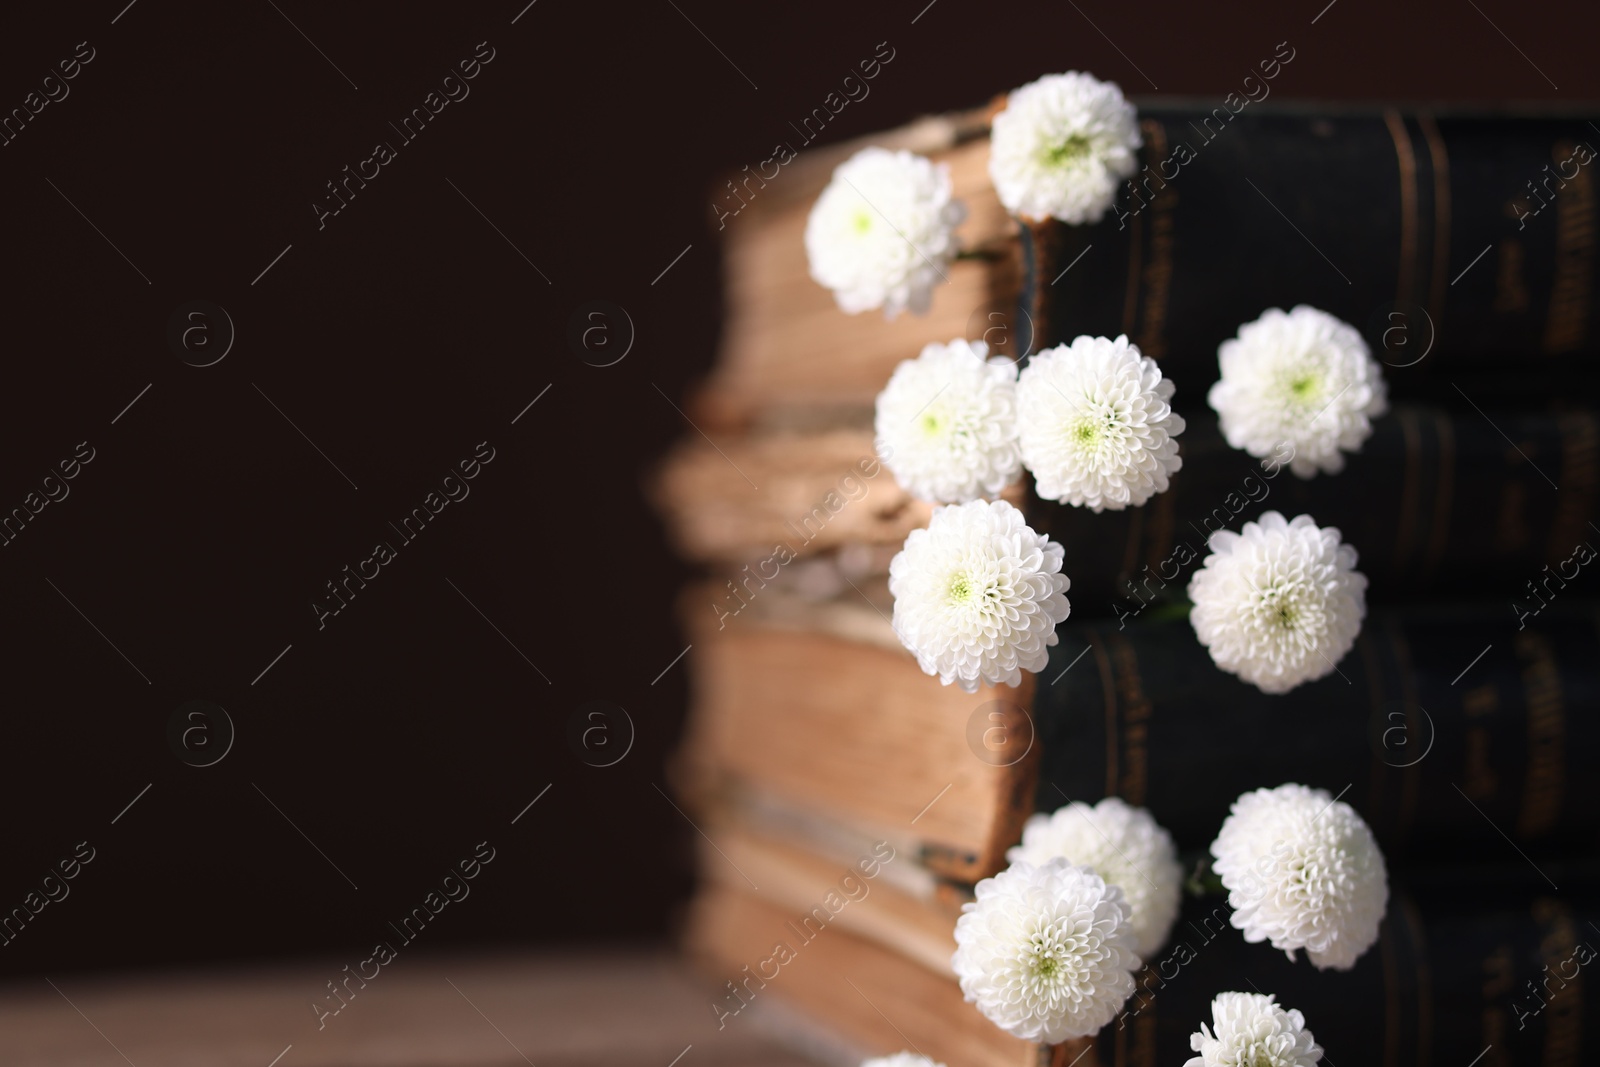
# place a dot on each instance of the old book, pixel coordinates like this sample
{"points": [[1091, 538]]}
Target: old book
{"points": [[808, 492], [1436, 498], [1491, 976], [1441, 727], [1452, 974], [1445, 727], [858, 893], [857, 731], [1458, 244]]}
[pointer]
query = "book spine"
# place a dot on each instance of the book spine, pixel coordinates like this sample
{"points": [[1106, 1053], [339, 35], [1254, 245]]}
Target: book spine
{"points": [[1456, 245], [1448, 730], [1432, 500], [1509, 983]]}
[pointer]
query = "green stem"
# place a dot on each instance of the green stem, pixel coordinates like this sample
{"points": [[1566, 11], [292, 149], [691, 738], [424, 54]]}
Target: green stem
{"points": [[1166, 612], [1204, 882]]}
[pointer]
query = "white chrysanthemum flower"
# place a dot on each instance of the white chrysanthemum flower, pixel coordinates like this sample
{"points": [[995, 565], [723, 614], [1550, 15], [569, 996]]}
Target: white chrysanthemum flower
{"points": [[1046, 952], [880, 233], [1302, 871], [1301, 379], [901, 1059], [1061, 146], [1253, 1031], [1096, 425], [977, 595], [1125, 846], [947, 421], [1280, 603]]}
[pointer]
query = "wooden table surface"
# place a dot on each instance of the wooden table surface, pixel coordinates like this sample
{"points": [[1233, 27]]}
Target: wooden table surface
{"points": [[620, 1010]]}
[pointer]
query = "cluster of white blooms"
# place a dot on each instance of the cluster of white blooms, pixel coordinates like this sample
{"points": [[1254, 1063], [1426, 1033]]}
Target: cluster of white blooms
{"points": [[1048, 948], [882, 232], [1125, 846], [1092, 420]]}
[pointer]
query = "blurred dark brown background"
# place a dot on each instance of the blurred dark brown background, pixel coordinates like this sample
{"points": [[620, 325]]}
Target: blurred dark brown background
{"points": [[397, 338]]}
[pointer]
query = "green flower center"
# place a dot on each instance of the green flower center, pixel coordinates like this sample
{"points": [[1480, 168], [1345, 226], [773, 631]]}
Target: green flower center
{"points": [[1095, 435], [1071, 150], [862, 221], [962, 589], [1304, 386], [932, 423], [1284, 605], [1049, 960]]}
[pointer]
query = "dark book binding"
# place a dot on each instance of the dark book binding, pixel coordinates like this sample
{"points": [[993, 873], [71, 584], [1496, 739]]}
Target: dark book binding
{"points": [[1505, 980], [1457, 245], [1451, 731], [1435, 500]]}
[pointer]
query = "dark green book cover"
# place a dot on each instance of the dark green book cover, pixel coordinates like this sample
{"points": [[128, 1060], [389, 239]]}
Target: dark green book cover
{"points": [[1463, 247]]}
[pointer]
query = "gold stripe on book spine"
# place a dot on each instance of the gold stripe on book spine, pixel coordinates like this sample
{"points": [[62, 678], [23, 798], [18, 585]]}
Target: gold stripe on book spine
{"points": [[1045, 238], [1546, 710], [1575, 505], [1407, 161], [1441, 217], [1567, 324], [1579, 434], [1496, 987], [1563, 1012]]}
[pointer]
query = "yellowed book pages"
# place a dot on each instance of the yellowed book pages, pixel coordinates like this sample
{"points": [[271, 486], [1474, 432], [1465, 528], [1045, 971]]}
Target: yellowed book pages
{"points": [[877, 998], [785, 341], [751, 494], [857, 733], [855, 893]]}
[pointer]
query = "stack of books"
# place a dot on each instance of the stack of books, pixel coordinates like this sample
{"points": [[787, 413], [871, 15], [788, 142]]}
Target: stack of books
{"points": [[849, 803]]}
